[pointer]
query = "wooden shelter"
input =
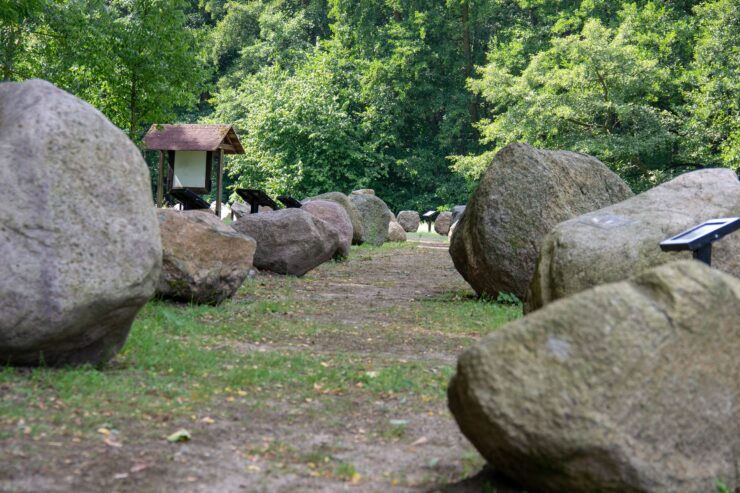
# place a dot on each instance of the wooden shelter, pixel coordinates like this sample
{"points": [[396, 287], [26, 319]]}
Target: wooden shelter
{"points": [[190, 151]]}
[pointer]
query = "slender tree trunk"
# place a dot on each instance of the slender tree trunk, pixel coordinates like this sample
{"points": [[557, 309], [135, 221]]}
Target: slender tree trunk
{"points": [[133, 115], [468, 55], [10, 40]]}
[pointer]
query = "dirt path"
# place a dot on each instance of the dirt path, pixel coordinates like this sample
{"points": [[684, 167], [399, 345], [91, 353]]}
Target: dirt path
{"points": [[384, 307]]}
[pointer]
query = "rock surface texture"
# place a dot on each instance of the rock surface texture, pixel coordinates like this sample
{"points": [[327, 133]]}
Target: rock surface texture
{"points": [[77, 266], [395, 232], [523, 194], [627, 387], [290, 241], [443, 222], [619, 241], [409, 221], [204, 260], [375, 216], [336, 216], [349, 207], [364, 191], [457, 213]]}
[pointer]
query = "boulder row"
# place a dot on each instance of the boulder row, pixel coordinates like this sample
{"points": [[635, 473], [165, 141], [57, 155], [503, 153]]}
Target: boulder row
{"points": [[78, 265]]}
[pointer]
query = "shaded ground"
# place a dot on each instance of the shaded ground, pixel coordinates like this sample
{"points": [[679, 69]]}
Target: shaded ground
{"points": [[332, 382]]}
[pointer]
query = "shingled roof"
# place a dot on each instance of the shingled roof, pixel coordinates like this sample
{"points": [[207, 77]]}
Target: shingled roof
{"points": [[188, 137]]}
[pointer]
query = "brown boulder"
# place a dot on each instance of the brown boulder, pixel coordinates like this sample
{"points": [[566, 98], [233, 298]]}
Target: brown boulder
{"points": [[204, 260], [442, 223]]}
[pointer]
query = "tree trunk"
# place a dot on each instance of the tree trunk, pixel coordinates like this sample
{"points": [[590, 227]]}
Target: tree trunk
{"points": [[133, 116], [468, 56]]}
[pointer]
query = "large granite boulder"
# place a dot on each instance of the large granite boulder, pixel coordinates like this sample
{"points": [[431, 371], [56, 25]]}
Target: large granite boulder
{"points": [[395, 232], [523, 194], [375, 216], [349, 207], [443, 222], [80, 263], [409, 221], [627, 387], [619, 241], [290, 241], [336, 216], [204, 260]]}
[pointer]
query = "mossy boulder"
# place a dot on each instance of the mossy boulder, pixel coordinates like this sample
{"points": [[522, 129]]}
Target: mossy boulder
{"points": [[626, 387]]}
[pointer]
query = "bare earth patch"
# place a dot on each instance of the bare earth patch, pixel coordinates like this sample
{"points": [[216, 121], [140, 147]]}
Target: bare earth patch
{"points": [[330, 382]]}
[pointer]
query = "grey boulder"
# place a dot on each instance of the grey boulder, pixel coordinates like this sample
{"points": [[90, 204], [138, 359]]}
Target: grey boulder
{"points": [[204, 260], [349, 207], [409, 221], [443, 222], [395, 232], [335, 215], [290, 241], [375, 216], [77, 266], [621, 240], [627, 387], [522, 195]]}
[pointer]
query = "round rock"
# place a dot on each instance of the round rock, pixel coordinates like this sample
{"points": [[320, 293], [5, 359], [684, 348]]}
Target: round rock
{"points": [[409, 221], [83, 253], [204, 260], [522, 195]]}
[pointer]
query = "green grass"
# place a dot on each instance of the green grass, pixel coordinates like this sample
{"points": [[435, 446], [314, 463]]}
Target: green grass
{"points": [[180, 360]]}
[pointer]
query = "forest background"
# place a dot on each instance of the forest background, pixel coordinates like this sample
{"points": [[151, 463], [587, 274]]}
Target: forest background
{"points": [[409, 97]]}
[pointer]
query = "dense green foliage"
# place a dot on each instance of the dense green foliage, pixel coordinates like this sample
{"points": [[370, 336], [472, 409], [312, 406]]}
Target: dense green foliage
{"points": [[410, 97]]}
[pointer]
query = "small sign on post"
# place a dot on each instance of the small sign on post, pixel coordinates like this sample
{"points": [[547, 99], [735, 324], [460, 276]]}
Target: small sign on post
{"points": [[429, 217], [699, 239]]}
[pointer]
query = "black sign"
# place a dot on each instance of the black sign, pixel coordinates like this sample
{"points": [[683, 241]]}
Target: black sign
{"points": [[699, 239], [290, 202], [256, 198], [189, 199]]}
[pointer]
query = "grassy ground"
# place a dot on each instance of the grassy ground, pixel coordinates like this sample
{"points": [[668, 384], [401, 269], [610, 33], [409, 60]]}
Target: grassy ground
{"points": [[331, 381]]}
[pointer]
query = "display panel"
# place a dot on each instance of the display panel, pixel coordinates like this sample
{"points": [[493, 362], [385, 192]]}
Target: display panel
{"points": [[190, 169]]}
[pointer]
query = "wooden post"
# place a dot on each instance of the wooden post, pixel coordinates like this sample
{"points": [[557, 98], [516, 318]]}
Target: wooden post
{"points": [[219, 182], [160, 182]]}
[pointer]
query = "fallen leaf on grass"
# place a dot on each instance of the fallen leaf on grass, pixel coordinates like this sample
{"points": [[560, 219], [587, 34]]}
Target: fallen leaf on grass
{"points": [[420, 441], [122, 475], [112, 443], [181, 435], [208, 421], [138, 467]]}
